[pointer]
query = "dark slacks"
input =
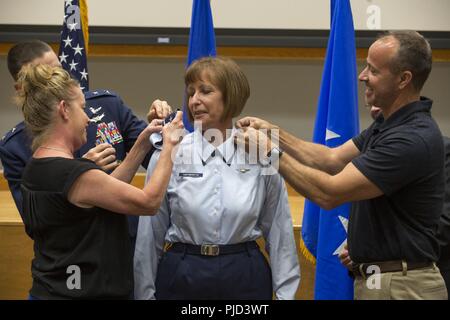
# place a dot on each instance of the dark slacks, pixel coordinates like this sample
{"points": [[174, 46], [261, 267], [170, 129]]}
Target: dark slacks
{"points": [[242, 276]]}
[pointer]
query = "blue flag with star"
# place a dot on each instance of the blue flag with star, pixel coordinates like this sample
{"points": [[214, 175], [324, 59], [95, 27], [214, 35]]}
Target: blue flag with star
{"points": [[202, 40], [72, 49], [324, 232]]}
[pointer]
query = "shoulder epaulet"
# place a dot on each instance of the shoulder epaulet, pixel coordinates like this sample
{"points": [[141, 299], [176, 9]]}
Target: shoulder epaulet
{"points": [[11, 133], [99, 93]]}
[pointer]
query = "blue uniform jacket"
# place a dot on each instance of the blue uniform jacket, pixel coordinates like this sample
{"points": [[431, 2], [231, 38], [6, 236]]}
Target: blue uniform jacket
{"points": [[115, 124]]}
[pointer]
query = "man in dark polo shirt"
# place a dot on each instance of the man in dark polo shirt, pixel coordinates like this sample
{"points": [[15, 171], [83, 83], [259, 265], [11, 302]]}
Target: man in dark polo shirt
{"points": [[444, 225], [443, 234], [393, 173]]}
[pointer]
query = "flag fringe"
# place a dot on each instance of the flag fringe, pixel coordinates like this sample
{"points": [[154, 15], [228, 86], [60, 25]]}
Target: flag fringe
{"points": [[304, 250], [84, 23]]}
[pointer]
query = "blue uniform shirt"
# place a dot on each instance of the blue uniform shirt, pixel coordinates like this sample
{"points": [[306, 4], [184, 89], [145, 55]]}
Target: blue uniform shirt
{"points": [[116, 124], [216, 196]]}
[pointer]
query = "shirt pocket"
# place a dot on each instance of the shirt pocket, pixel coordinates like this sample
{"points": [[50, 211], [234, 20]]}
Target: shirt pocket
{"points": [[244, 195], [244, 177], [188, 185]]}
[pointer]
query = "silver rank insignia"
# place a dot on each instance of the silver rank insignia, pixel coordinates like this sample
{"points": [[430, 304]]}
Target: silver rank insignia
{"points": [[94, 111], [97, 118]]}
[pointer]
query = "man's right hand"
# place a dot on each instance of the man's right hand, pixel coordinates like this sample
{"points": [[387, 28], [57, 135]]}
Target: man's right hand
{"points": [[104, 155], [158, 110]]}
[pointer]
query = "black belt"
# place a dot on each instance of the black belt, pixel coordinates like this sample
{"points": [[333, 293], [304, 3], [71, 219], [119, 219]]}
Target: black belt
{"points": [[211, 249], [361, 269]]}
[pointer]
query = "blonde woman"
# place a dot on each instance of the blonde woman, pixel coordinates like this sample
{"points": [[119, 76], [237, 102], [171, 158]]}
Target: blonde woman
{"points": [[73, 210]]}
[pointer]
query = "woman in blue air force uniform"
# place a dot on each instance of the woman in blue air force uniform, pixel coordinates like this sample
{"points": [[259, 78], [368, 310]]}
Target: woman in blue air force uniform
{"points": [[201, 244]]}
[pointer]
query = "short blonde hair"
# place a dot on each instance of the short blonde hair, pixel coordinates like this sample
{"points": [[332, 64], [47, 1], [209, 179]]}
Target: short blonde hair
{"points": [[226, 75], [42, 87]]}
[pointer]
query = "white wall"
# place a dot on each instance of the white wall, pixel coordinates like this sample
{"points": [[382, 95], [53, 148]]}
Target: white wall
{"points": [[425, 15]]}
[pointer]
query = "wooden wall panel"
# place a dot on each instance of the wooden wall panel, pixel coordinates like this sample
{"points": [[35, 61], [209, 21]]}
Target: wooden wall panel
{"points": [[280, 53]]}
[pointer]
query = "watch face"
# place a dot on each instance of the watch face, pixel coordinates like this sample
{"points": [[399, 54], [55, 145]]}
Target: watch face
{"points": [[274, 154]]}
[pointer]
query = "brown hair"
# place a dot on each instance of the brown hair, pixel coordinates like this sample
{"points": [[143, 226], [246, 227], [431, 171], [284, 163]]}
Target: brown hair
{"points": [[413, 54], [226, 75], [24, 53], [42, 87]]}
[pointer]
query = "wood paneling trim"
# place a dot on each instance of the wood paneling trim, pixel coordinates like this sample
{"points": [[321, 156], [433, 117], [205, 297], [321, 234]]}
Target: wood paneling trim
{"points": [[279, 53]]}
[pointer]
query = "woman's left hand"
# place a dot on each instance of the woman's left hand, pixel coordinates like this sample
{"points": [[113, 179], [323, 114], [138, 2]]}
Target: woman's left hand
{"points": [[154, 126]]}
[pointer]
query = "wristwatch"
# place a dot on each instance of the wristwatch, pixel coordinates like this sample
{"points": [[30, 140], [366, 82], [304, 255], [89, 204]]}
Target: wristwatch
{"points": [[274, 155]]}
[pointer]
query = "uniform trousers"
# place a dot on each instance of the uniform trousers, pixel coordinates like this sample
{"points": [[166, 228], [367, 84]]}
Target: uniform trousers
{"points": [[244, 275]]}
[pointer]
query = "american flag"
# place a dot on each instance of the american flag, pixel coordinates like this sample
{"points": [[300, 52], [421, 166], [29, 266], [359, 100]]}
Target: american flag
{"points": [[72, 49]]}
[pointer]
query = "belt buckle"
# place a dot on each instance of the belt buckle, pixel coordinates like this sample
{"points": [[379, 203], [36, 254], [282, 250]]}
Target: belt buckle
{"points": [[209, 250], [358, 270]]}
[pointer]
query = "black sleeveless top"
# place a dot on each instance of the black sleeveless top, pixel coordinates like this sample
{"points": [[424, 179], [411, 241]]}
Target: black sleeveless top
{"points": [[78, 253]]}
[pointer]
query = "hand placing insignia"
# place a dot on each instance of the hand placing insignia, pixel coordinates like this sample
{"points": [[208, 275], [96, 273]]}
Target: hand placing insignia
{"points": [[156, 138], [158, 110]]}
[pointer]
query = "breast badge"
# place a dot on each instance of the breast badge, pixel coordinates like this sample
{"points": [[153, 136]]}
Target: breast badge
{"points": [[108, 133]]}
